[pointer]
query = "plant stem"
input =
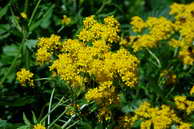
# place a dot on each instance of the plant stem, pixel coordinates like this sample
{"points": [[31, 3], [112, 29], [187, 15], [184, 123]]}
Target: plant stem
{"points": [[50, 103], [33, 13], [154, 56]]}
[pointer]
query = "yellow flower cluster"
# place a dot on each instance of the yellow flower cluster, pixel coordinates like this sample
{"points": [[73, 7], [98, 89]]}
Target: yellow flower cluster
{"points": [[25, 77], [79, 61], [126, 122], [104, 93], [46, 46], [153, 30], [192, 91], [93, 30], [159, 117], [39, 126], [97, 60], [183, 104], [23, 15], [138, 24], [158, 29], [66, 20], [184, 24]]}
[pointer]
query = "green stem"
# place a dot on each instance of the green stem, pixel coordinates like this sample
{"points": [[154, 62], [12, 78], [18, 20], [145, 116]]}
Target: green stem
{"points": [[57, 105], [50, 103], [102, 7], [33, 13], [57, 118], [72, 124], [26, 6], [154, 56], [40, 79]]}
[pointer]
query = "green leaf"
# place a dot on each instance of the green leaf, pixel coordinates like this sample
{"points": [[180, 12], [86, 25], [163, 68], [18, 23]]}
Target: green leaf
{"points": [[3, 11], [24, 127], [31, 43], [39, 22], [11, 50], [3, 123], [4, 28], [26, 121], [34, 118]]}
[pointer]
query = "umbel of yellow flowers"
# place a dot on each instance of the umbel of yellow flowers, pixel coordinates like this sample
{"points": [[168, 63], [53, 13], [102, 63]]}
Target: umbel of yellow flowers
{"points": [[25, 77]]}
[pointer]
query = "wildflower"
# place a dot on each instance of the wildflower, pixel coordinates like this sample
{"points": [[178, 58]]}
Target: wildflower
{"points": [[46, 47], [192, 91], [184, 125], [105, 90], [89, 22], [66, 20], [183, 104], [160, 117], [104, 114], [51, 43], [94, 30], [39, 126], [25, 77], [176, 43], [137, 24], [42, 55], [23, 15]]}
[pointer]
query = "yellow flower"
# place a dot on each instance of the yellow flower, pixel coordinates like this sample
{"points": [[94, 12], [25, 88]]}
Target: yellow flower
{"points": [[192, 91], [66, 20], [183, 104], [39, 126], [185, 126], [138, 24], [25, 77], [42, 55], [160, 117], [23, 15], [93, 30]]}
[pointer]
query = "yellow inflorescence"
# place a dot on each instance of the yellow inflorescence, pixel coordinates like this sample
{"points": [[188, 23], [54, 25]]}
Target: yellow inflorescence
{"points": [[138, 24], [93, 30], [46, 46], [66, 20], [183, 104], [159, 117], [192, 91], [154, 30], [158, 29], [25, 77], [78, 61], [184, 24], [39, 126], [23, 15]]}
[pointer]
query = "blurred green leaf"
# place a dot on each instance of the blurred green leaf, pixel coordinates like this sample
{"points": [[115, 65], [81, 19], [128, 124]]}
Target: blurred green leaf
{"points": [[26, 121], [31, 43], [3, 11], [44, 20], [11, 50]]}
